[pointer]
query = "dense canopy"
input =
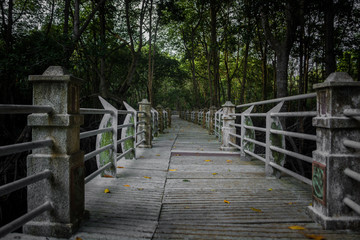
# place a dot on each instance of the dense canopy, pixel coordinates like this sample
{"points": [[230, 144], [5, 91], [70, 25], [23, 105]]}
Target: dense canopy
{"points": [[179, 53]]}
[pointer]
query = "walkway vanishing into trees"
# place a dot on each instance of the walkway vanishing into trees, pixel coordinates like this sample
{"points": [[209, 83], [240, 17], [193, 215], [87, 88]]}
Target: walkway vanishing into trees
{"points": [[186, 188]]}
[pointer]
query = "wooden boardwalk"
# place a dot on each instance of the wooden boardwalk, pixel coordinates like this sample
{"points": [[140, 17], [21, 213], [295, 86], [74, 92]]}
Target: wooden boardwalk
{"points": [[183, 188]]}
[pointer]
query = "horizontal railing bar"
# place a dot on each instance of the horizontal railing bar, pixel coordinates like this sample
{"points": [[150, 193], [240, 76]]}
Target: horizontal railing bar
{"points": [[94, 132], [294, 134], [234, 145], [292, 154], [97, 172], [255, 114], [255, 155], [294, 114], [352, 112], [235, 114], [22, 147], [351, 144], [293, 174], [255, 142], [142, 141], [276, 100], [24, 109], [97, 151], [352, 174], [125, 125], [255, 128], [235, 125], [141, 132], [21, 183], [235, 135], [125, 112], [351, 204], [140, 122], [124, 139], [8, 228], [143, 112], [124, 153], [95, 111]]}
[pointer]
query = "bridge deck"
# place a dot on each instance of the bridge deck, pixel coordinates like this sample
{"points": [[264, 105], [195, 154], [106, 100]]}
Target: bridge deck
{"points": [[197, 196]]}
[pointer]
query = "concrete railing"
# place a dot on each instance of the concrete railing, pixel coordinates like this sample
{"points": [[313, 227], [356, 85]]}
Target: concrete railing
{"points": [[55, 169], [335, 178]]}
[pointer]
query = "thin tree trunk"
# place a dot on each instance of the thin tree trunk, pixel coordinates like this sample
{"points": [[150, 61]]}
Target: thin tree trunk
{"points": [[243, 83], [104, 84], [330, 63], [150, 91]]}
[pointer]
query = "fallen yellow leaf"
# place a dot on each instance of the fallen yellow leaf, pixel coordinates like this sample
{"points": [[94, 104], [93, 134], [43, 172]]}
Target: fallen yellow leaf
{"points": [[141, 157], [214, 173], [256, 210], [174, 147], [229, 161], [147, 177], [313, 236], [177, 155], [296, 227], [157, 154], [226, 201], [126, 185], [207, 160], [310, 204], [108, 176], [78, 238], [119, 167], [291, 203], [186, 207], [172, 170], [140, 189], [270, 189], [106, 190], [201, 149]]}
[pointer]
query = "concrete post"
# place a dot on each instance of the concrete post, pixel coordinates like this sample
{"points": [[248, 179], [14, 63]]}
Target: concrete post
{"points": [[203, 124], [211, 120], [65, 160], [169, 116], [329, 183], [145, 106], [228, 108], [159, 108]]}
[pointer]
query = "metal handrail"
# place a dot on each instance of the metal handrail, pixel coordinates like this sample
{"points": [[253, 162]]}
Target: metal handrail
{"points": [[97, 172], [24, 109], [291, 173], [277, 100], [255, 142], [352, 174], [94, 132], [97, 151], [351, 144], [95, 111], [21, 183], [294, 134], [124, 139], [8, 228], [125, 125], [23, 147], [125, 112], [351, 204], [124, 153], [292, 154]]}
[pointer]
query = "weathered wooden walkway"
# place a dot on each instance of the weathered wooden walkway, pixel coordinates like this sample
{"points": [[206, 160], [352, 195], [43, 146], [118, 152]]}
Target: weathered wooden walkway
{"points": [[194, 195]]}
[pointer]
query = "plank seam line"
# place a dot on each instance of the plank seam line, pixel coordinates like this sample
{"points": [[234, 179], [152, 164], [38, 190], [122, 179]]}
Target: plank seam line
{"points": [[163, 193]]}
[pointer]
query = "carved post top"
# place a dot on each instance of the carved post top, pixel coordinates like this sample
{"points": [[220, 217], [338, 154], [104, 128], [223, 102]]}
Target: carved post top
{"points": [[337, 79], [144, 102], [159, 107], [56, 74]]}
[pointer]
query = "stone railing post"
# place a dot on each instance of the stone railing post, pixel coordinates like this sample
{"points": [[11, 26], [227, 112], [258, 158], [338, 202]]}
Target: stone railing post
{"points": [[145, 106], [203, 123], [65, 190], [169, 116], [211, 120], [228, 108], [329, 183], [159, 108]]}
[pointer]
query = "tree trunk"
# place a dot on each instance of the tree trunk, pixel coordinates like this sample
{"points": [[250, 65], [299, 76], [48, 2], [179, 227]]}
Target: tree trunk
{"points": [[282, 73], [214, 51], [104, 84], [243, 83], [330, 63], [150, 82]]}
